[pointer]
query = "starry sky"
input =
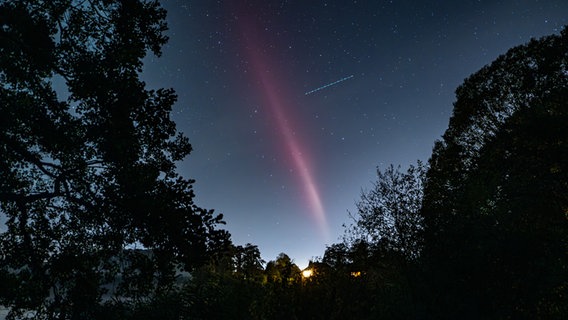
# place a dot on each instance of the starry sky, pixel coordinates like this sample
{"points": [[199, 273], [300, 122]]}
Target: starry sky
{"points": [[285, 163]]}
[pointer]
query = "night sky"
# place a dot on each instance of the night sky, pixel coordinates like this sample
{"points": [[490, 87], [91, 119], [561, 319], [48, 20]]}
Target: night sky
{"points": [[285, 167]]}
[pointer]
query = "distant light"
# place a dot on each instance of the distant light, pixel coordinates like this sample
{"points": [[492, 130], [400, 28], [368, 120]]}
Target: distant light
{"points": [[356, 274], [307, 273]]}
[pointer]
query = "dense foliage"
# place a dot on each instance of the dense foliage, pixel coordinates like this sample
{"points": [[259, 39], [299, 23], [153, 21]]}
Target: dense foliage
{"points": [[100, 225], [496, 197], [388, 214], [87, 160]]}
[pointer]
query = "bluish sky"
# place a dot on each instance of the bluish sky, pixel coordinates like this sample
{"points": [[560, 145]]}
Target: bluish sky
{"points": [[285, 167]]}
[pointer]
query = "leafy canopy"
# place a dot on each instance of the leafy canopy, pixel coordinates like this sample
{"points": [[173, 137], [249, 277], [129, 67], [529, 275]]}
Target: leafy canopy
{"points": [[495, 198], [88, 159]]}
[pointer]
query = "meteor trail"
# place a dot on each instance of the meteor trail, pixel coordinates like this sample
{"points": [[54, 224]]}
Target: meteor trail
{"points": [[329, 85]]}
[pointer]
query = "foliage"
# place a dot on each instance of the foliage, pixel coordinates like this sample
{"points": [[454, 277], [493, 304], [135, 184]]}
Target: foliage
{"points": [[495, 200], [210, 295], [222, 290], [282, 271], [88, 159], [248, 262], [388, 215]]}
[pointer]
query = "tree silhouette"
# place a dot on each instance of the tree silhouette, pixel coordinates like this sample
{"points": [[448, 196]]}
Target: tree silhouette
{"points": [[388, 215], [88, 171], [248, 262], [495, 199], [283, 271]]}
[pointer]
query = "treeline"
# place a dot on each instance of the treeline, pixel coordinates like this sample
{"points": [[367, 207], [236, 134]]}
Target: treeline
{"points": [[479, 232]]}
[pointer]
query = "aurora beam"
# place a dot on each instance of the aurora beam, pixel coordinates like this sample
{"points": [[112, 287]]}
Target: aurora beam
{"points": [[281, 109], [295, 150], [328, 85]]}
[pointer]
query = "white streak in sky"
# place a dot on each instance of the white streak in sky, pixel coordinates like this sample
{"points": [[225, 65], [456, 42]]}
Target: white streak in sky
{"points": [[329, 85]]}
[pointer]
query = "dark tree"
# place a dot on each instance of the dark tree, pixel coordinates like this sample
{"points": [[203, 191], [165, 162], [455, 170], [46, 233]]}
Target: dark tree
{"points": [[337, 256], [496, 199], [248, 262], [388, 215], [283, 270], [361, 281], [88, 165]]}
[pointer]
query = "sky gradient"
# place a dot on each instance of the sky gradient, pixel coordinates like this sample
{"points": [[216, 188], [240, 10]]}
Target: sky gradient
{"points": [[285, 167]]}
